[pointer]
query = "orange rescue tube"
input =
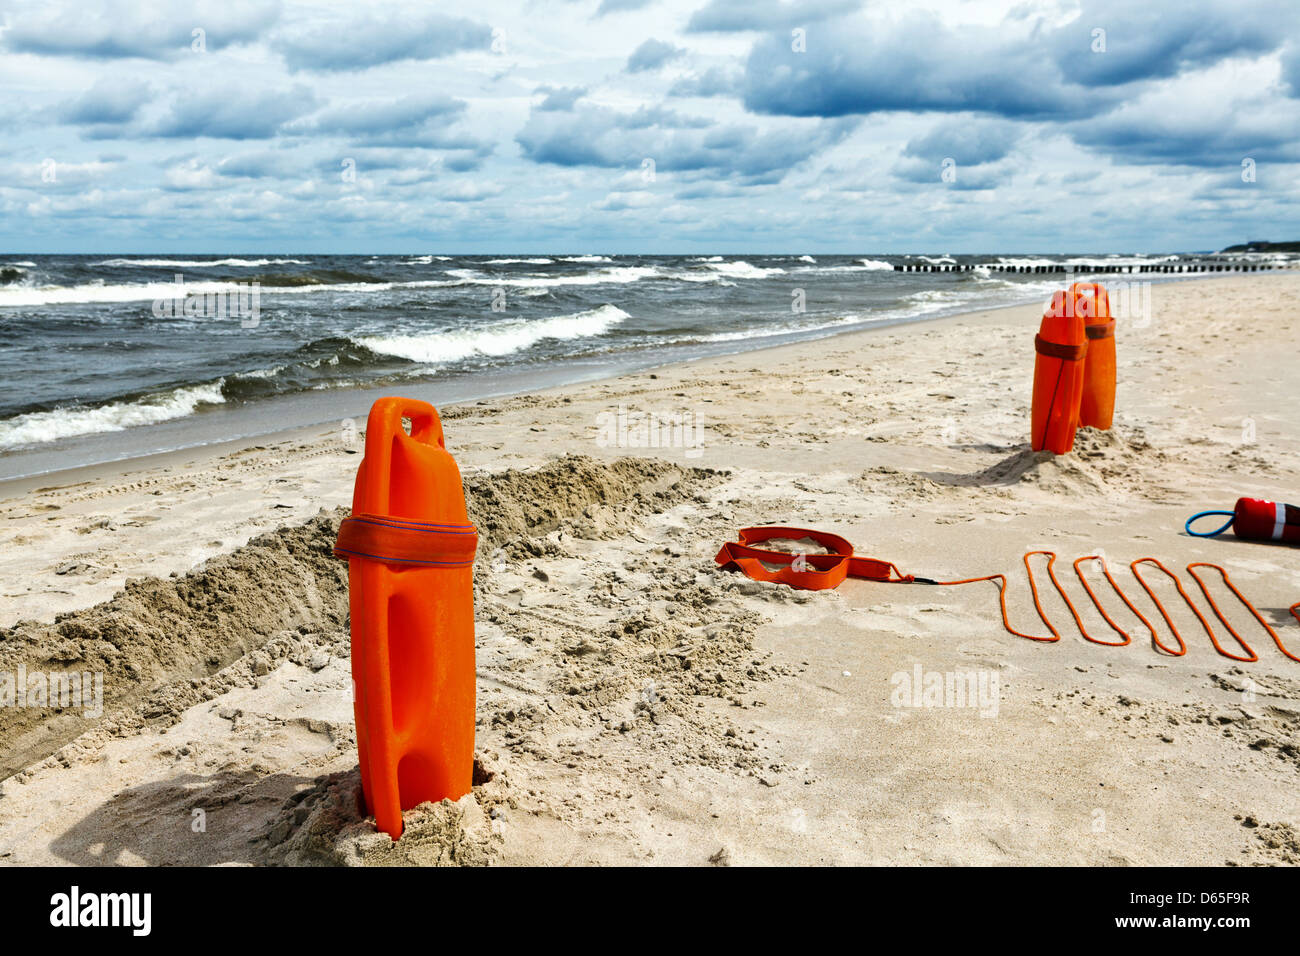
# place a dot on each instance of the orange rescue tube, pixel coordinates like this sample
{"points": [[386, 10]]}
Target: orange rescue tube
{"points": [[410, 550], [1097, 407], [1058, 375]]}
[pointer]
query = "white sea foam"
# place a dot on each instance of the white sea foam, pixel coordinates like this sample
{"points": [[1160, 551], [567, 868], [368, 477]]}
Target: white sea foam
{"points": [[615, 275], [791, 329], [740, 269], [877, 265], [39, 427], [588, 259], [102, 292], [519, 262], [498, 338], [263, 372], [149, 291], [203, 263]]}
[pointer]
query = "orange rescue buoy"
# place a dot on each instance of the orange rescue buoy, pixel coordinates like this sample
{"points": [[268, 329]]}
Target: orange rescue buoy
{"points": [[1058, 375], [410, 550], [1097, 406]]}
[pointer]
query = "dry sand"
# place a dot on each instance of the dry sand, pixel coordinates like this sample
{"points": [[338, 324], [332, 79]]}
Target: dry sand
{"points": [[635, 704]]}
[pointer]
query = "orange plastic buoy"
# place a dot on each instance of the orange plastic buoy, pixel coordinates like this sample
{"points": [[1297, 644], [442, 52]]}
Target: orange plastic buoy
{"points": [[410, 550], [1097, 406], [1058, 375]]}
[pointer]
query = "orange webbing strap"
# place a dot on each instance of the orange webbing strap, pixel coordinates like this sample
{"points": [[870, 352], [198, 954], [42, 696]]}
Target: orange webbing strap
{"points": [[1068, 353], [401, 541], [1103, 330], [808, 572]]}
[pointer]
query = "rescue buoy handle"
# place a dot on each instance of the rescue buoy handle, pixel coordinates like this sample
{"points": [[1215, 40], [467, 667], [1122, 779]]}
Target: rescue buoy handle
{"points": [[426, 426], [1232, 515]]}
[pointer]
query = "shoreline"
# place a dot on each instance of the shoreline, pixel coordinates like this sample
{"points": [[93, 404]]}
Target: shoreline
{"points": [[362, 397], [252, 418]]}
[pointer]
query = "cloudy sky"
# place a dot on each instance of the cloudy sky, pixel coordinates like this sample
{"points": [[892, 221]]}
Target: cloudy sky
{"points": [[648, 126]]}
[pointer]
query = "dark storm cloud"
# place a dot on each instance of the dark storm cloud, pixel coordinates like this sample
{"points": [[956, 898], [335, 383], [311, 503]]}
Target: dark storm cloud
{"points": [[715, 81], [1157, 40], [560, 97], [916, 64], [422, 120], [108, 102], [734, 16], [598, 136], [386, 116], [228, 113], [618, 6], [270, 164], [1207, 141], [1019, 69], [970, 143], [651, 55], [136, 30], [1291, 68], [372, 42]]}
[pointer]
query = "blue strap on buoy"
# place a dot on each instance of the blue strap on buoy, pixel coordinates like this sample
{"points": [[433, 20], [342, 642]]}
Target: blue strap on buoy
{"points": [[1209, 534]]}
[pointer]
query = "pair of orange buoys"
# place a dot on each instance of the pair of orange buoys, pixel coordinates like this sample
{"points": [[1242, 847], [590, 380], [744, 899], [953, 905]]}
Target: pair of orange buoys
{"points": [[410, 550], [1074, 370]]}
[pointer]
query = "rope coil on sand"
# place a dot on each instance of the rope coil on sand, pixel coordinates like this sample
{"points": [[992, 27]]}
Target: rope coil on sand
{"points": [[818, 572]]}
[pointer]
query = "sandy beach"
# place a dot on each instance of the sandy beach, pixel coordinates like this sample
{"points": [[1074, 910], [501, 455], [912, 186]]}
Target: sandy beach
{"points": [[637, 705]]}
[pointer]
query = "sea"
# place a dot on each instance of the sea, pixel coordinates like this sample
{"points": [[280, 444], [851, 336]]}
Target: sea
{"points": [[107, 357]]}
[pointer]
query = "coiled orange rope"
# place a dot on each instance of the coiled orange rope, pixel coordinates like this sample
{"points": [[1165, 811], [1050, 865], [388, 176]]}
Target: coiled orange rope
{"points": [[1125, 637], [829, 570]]}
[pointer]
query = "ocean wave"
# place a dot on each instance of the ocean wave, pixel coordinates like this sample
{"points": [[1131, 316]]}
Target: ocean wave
{"points": [[740, 269], [322, 278], [586, 259], [101, 292], [862, 265], [1116, 259], [328, 281], [519, 262], [426, 260], [202, 263], [147, 292], [614, 275], [791, 329], [34, 428], [496, 339]]}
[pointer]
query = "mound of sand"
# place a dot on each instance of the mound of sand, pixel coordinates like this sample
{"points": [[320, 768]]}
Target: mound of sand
{"points": [[326, 825], [161, 630], [1101, 463], [631, 660]]}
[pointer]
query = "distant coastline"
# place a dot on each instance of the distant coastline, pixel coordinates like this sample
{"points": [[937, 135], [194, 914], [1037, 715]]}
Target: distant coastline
{"points": [[1263, 246]]}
